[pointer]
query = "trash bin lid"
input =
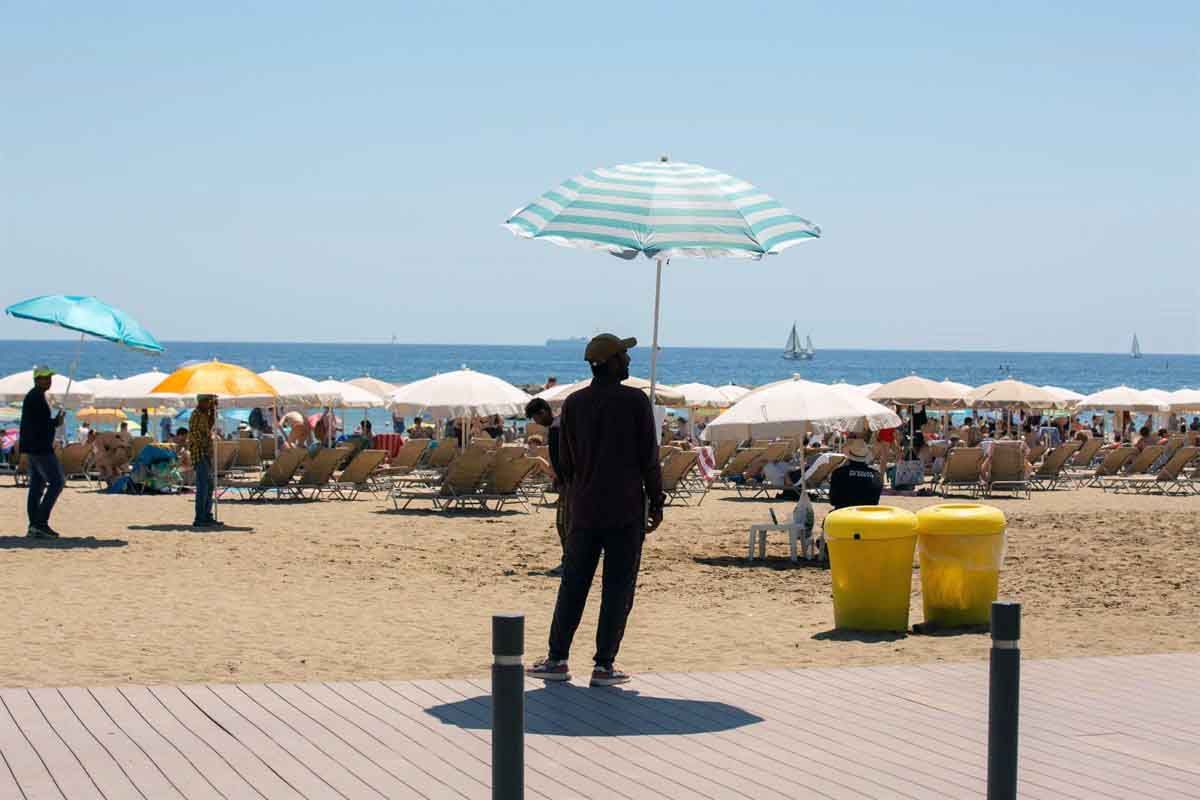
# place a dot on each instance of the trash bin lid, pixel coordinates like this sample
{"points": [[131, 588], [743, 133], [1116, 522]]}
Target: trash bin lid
{"points": [[870, 522], [961, 519]]}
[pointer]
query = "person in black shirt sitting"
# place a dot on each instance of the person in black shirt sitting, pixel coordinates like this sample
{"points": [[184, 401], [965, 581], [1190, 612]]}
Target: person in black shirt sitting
{"points": [[855, 483]]}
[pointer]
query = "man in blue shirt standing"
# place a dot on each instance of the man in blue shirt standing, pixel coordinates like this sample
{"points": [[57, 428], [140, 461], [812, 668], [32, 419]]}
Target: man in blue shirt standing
{"points": [[46, 479]]}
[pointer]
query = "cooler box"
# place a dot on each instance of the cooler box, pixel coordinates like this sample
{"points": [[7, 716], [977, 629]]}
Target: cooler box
{"points": [[961, 551], [871, 561]]}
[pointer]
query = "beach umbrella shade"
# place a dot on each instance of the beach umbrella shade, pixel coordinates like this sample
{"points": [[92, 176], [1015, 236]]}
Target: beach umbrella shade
{"points": [[732, 392], [101, 416], [701, 395], [351, 396], [136, 391], [9, 414], [374, 386], [796, 408], [13, 389], [1011, 393], [87, 316], [234, 386], [663, 395], [913, 390], [1184, 400], [1124, 398], [462, 393], [662, 210], [297, 390]]}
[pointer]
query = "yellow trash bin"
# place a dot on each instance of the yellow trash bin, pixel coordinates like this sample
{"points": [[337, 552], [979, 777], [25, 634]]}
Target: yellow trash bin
{"points": [[961, 550], [871, 560]]}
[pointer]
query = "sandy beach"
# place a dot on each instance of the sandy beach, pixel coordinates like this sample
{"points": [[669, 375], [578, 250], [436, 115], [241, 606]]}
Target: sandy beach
{"points": [[354, 590]]}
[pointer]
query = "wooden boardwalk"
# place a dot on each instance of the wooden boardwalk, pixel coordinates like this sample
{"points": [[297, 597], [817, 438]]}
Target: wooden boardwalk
{"points": [[1091, 728]]}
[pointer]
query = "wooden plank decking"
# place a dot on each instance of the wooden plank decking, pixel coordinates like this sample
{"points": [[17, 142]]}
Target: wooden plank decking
{"points": [[1119, 727]]}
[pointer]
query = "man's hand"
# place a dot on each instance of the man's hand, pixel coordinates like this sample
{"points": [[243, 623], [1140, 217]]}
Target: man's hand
{"points": [[656, 517]]}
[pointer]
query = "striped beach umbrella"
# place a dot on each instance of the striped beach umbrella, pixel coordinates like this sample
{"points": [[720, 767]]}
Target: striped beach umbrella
{"points": [[662, 210]]}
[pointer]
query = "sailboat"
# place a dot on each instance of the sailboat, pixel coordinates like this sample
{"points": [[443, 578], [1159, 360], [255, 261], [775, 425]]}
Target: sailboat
{"points": [[794, 351], [1135, 351]]}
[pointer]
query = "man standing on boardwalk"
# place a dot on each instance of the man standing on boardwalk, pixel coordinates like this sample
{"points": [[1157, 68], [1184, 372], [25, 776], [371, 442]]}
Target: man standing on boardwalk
{"points": [[608, 455], [46, 479]]}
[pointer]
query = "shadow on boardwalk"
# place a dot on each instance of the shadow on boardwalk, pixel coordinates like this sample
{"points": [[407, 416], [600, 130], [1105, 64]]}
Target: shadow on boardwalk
{"points": [[569, 710]]}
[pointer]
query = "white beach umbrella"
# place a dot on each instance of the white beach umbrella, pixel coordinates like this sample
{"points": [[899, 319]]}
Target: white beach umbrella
{"points": [[374, 386], [1011, 393], [1124, 398], [796, 407], [298, 390], [701, 395], [461, 393], [137, 391], [962, 388], [913, 390], [865, 389], [662, 210], [663, 395], [732, 392], [13, 389], [1185, 400], [350, 395], [1067, 397]]}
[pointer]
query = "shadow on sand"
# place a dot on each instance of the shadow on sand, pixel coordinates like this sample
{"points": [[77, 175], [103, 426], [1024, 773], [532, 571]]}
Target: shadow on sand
{"points": [[170, 527], [770, 562], [65, 543], [867, 637], [569, 710]]}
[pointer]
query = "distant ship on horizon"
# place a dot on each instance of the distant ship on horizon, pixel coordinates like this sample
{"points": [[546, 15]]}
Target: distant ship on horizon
{"points": [[569, 342]]}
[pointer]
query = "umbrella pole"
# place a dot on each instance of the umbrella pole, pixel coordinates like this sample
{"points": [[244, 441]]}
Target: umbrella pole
{"points": [[654, 342], [71, 374]]}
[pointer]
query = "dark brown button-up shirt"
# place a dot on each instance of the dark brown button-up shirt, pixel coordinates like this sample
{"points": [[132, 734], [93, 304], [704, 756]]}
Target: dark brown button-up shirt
{"points": [[609, 456]]}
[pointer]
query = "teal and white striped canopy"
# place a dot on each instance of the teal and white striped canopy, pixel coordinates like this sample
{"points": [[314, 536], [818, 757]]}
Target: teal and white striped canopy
{"points": [[663, 210]]}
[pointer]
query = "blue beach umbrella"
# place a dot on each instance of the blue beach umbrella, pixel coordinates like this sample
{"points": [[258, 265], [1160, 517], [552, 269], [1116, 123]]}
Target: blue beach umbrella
{"points": [[89, 317], [662, 210]]}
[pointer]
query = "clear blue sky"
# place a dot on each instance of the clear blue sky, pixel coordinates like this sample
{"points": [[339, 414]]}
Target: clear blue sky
{"points": [[1004, 176]]}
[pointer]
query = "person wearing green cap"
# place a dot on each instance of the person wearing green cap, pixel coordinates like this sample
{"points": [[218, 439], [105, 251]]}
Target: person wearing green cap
{"points": [[46, 479]]}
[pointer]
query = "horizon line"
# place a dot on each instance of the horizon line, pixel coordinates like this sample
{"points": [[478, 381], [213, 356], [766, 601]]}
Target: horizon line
{"points": [[389, 343]]}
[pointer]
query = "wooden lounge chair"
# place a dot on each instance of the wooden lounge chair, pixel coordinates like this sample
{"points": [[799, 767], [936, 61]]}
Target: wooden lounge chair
{"points": [[1114, 461], [1007, 470], [780, 451], [356, 477], [443, 454], [1050, 473], [674, 472], [722, 453], [318, 471], [1140, 466], [277, 478], [268, 448], [738, 464], [1171, 479], [961, 471], [533, 429], [460, 483], [226, 454], [504, 482]]}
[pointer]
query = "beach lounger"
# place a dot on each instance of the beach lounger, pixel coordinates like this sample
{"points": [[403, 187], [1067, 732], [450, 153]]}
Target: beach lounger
{"points": [[1050, 473], [409, 455], [1036, 452], [1171, 479], [737, 465], [504, 481], [533, 429], [277, 478], [440, 457], [460, 483], [1114, 461], [248, 457], [356, 477], [818, 483], [674, 472], [1087, 453], [317, 472], [961, 471], [226, 454], [1007, 470], [268, 448], [75, 459], [1140, 466], [722, 452]]}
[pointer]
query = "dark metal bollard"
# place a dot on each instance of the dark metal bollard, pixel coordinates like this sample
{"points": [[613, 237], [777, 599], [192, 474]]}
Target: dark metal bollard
{"points": [[508, 707], [1004, 697]]}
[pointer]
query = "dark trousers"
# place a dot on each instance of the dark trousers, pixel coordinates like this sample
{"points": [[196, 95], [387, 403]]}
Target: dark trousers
{"points": [[562, 521], [46, 482], [622, 548], [204, 490]]}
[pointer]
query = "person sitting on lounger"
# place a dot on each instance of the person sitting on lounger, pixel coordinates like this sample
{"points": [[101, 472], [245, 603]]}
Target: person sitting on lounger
{"points": [[855, 483], [299, 432], [1145, 438]]}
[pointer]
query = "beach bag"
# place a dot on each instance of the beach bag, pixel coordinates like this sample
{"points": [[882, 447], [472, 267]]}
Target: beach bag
{"points": [[908, 474]]}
